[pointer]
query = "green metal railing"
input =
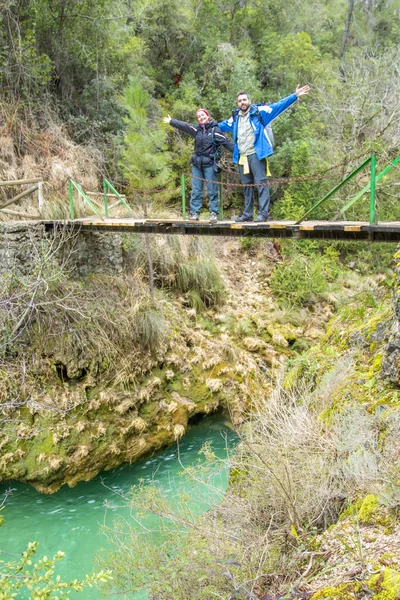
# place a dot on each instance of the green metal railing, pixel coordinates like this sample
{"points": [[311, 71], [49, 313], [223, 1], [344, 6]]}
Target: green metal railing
{"points": [[107, 186], [371, 187], [367, 187], [73, 184]]}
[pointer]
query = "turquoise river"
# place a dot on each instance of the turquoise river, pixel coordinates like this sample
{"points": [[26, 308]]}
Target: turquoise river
{"points": [[70, 520]]}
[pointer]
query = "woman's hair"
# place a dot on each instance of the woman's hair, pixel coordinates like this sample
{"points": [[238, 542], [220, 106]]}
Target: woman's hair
{"points": [[204, 110]]}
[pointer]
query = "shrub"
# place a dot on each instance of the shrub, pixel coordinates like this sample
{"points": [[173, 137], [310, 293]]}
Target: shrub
{"points": [[290, 477], [37, 578], [302, 279], [150, 325], [185, 266]]}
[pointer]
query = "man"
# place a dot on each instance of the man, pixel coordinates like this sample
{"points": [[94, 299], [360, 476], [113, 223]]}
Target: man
{"points": [[252, 146]]}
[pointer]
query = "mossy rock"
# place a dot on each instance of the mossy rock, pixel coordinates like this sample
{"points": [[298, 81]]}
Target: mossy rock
{"points": [[372, 512], [368, 509], [385, 585], [346, 591]]}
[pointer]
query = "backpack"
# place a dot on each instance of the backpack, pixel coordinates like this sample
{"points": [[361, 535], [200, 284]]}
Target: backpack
{"points": [[267, 128]]}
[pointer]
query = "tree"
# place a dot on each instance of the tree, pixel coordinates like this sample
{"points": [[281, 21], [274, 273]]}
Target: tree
{"points": [[145, 159]]}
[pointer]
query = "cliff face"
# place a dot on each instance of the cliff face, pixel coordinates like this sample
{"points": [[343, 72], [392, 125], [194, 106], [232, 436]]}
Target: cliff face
{"points": [[71, 430], [95, 373]]}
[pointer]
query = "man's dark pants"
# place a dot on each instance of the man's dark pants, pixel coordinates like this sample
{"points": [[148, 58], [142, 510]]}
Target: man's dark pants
{"points": [[257, 174]]}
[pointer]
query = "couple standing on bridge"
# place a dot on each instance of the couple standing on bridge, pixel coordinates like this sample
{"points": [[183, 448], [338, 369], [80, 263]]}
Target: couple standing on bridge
{"points": [[250, 125]]}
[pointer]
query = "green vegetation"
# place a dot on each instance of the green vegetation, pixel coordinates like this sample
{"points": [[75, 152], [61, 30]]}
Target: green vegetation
{"points": [[292, 476], [37, 578], [110, 69], [314, 480], [184, 265], [302, 279]]}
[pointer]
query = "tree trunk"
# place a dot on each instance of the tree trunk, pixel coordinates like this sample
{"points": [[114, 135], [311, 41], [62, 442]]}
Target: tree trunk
{"points": [[347, 28], [148, 252]]}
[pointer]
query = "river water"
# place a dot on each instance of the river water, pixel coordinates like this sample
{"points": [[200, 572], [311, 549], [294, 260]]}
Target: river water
{"points": [[70, 520]]}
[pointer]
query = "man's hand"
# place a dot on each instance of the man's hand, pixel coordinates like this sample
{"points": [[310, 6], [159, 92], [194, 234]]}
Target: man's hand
{"points": [[302, 91], [167, 119]]}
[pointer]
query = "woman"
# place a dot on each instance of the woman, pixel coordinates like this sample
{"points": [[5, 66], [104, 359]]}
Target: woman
{"points": [[208, 139]]}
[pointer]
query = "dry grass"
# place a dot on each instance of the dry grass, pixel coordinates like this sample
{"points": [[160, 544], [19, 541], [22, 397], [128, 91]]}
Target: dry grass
{"points": [[46, 151], [186, 265]]}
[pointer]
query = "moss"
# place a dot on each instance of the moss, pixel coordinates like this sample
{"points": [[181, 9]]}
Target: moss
{"points": [[149, 410], [43, 445], [341, 592], [350, 510], [91, 392], [376, 365], [372, 512], [368, 509], [386, 584]]}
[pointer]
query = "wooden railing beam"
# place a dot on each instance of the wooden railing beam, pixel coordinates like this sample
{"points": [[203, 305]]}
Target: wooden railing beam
{"points": [[19, 182], [19, 196]]}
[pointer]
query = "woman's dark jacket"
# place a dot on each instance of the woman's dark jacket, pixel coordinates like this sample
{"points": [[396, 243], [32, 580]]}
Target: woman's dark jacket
{"points": [[207, 139]]}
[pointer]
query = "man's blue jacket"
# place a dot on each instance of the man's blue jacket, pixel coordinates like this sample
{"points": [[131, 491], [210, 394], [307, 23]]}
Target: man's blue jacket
{"points": [[268, 113]]}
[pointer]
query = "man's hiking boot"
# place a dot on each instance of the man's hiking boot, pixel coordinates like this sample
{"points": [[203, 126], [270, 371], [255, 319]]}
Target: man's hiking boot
{"points": [[242, 219], [194, 217], [261, 219], [213, 217]]}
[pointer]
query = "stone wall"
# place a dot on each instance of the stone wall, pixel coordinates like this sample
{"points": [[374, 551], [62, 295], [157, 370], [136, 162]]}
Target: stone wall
{"points": [[89, 252], [82, 252], [391, 359], [20, 246]]}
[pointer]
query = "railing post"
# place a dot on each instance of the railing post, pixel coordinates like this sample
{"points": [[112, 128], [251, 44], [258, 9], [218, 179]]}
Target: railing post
{"points": [[183, 197], [71, 200], [105, 199], [40, 195], [373, 190], [221, 205]]}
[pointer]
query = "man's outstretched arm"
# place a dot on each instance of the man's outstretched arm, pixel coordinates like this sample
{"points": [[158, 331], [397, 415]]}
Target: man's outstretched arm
{"points": [[274, 110]]}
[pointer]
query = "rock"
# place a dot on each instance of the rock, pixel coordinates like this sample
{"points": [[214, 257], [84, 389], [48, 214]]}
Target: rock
{"points": [[179, 431], [214, 385], [254, 344]]}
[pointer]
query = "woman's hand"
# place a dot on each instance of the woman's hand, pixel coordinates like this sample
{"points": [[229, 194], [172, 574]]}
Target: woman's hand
{"points": [[167, 119]]}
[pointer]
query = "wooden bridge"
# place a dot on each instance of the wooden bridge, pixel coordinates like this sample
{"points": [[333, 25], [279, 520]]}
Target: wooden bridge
{"points": [[371, 231], [326, 230]]}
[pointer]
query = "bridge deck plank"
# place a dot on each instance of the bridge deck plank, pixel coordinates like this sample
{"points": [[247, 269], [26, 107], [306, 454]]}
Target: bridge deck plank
{"points": [[317, 229]]}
